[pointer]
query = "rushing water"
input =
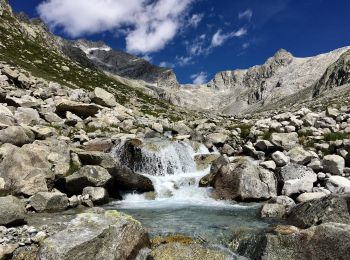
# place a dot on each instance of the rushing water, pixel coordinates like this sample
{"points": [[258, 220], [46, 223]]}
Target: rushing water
{"points": [[179, 205]]}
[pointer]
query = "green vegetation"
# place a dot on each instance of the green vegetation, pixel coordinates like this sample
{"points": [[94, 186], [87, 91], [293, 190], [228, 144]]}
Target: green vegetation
{"points": [[39, 57], [336, 136]]}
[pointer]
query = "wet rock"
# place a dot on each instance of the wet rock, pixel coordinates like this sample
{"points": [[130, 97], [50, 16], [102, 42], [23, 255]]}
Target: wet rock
{"points": [[103, 98], [327, 241], [332, 208], [187, 251], [12, 211], [88, 175], [97, 195], [273, 211], [49, 201], [110, 235]]}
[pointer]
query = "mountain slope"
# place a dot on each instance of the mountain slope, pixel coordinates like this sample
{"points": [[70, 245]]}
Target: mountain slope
{"points": [[239, 91], [31, 46]]}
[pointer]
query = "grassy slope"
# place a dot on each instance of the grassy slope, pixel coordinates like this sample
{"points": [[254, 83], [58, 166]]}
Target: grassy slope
{"points": [[41, 61]]}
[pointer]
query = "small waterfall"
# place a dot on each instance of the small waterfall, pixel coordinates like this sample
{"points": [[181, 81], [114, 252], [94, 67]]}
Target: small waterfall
{"points": [[171, 167]]}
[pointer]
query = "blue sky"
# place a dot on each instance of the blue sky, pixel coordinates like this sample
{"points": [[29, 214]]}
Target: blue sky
{"points": [[200, 37]]}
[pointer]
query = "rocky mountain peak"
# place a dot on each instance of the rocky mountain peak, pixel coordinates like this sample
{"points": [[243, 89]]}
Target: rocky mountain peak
{"points": [[281, 57]]}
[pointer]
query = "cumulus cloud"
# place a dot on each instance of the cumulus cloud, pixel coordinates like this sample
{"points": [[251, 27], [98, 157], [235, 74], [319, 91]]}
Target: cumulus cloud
{"points": [[247, 14], [219, 38], [148, 25], [199, 78]]}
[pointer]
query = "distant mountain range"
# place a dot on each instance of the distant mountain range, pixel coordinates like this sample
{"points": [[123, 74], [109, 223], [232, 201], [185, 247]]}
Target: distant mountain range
{"points": [[229, 92]]}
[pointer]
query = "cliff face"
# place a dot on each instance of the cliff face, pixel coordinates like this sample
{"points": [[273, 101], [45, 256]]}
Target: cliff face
{"points": [[336, 75]]}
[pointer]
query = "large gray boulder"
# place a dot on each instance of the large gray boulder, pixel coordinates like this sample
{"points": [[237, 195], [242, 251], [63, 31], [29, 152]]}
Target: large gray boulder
{"points": [[296, 179], [49, 201], [27, 116], [332, 208], [109, 236], [80, 109], [12, 211], [243, 180], [16, 135], [103, 98], [124, 178], [26, 170], [300, 156], [88, 175], [326, 241], [333, 164], [286, 141]]}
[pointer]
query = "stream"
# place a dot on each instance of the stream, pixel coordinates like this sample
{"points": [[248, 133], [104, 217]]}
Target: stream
{"points": [[179, 205]]}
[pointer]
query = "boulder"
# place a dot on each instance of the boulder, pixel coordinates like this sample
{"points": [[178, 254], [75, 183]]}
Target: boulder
{"points": [[12, 211], [280, 158], [97, 195], [216, 138], [338, 184], [300, 156], [127, 180], [27, 116], [49, 201], [16, 135], [286, 141], [310, 196], [80, 109], [243, 180], [270, 165], [332, 208], [333, 164], [5, 111], [273, 211], [26, 170], [193, 251], [89, 175], [296, 179], [124, 178], [326, 241], [6, 250], [264, 145], [103, 98], [110, 235]]}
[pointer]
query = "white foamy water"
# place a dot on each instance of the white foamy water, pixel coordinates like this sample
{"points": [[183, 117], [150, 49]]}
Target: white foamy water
{"points": [[173, 172]]}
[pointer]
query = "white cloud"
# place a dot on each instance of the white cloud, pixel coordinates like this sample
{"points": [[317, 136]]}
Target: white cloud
{"points": [[148, 25], [196, 19], [199, 78], [166, 64], [183, 60], [247, 14], [219, 38]]}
